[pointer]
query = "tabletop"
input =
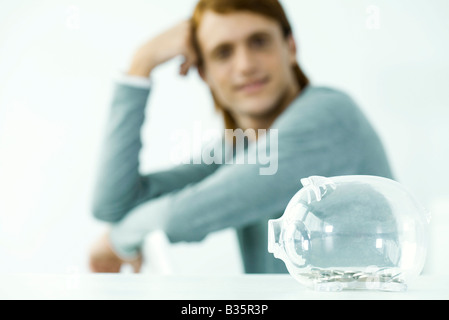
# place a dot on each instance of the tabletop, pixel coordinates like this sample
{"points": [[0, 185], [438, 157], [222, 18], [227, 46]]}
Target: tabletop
{"points": [[208, 287]]}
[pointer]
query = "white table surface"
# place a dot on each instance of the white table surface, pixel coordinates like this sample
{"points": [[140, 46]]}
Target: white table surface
{"points": [[226, 287]]}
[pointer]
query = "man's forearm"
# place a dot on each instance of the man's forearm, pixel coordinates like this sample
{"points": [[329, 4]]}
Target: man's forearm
{"points": [[118, 182]]}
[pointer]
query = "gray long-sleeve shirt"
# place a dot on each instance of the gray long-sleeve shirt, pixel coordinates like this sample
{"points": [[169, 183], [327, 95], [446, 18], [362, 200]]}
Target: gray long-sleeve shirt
{"points": [[322, 132]]}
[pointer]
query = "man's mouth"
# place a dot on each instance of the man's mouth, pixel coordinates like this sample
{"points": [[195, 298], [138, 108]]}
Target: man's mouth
{"points": [[253, 85]]}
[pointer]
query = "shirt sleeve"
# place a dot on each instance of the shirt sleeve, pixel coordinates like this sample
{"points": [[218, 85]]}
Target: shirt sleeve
{"points": [[120, 186], [133, 81], [308, 140]]}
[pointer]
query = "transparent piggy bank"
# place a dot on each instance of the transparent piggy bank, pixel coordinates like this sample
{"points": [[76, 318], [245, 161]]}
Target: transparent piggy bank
{"points": [[351, 232]]}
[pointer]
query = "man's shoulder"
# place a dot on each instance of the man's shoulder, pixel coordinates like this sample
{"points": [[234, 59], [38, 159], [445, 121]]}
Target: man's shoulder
{"points": [[318, 102], [324, 95]]}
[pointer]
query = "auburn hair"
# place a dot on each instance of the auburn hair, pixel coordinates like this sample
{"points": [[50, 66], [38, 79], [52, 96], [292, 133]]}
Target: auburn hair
{"points": [[268, 8]]}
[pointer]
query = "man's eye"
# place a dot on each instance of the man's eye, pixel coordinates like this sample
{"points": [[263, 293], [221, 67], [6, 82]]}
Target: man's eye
{"points": [[259, 42], [223, 53]]}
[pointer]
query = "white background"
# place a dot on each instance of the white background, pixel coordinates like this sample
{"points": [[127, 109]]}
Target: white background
{"points": [[58, 60]]}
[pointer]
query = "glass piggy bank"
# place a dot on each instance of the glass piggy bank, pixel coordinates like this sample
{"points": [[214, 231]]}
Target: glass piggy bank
{"points": [[351, 232]]}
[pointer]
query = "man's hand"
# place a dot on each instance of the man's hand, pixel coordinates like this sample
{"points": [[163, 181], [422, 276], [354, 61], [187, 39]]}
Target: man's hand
{"points": [[166, 46], [104, 259]]}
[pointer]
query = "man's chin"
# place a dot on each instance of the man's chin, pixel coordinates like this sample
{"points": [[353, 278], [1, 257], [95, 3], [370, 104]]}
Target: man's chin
{"points": [[257, 107]]}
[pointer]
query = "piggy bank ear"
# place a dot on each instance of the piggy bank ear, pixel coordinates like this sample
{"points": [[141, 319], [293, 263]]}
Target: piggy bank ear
{"points": [[317, 185]]}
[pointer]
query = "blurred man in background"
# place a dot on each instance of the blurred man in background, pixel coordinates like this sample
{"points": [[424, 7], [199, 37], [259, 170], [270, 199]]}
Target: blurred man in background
{"points": [[244, 50]]}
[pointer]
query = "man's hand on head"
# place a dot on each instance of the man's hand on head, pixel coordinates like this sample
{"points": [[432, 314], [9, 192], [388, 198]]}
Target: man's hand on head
{"points": [[172, 43]]}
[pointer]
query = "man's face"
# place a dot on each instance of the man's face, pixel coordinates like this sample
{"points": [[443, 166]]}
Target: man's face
{"points": [[247, 61]]}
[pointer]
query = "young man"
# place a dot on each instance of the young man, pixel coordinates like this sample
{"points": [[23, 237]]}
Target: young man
{"points": [[245, 51]]}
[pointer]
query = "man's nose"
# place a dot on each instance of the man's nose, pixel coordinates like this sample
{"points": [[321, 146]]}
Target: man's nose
{"points": [[245, 61]]}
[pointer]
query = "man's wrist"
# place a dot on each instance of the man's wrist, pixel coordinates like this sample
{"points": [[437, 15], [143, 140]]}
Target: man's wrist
{"points": [[141, 67], [138, 71]]}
